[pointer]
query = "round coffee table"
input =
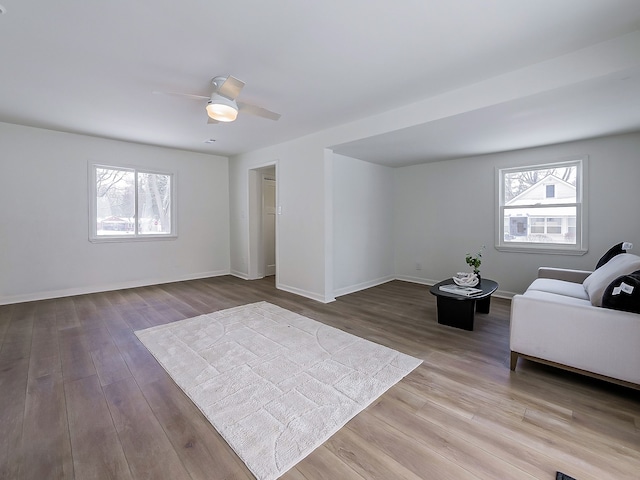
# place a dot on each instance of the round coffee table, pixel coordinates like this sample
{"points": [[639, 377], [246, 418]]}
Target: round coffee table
{"points": [[459, 310]]}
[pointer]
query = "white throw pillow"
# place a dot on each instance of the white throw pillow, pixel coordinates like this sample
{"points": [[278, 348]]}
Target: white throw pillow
{"points": [[596, 283]]}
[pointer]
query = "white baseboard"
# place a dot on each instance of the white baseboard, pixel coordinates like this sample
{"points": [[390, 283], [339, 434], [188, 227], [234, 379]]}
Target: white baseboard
{"points": [[239, 274], [70, 292], [421, 281], [304, 293], [363, 286], [504, 294], [287, 288]]}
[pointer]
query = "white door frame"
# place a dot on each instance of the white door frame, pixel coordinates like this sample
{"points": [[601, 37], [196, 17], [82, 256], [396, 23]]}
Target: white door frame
{"points": [[255, 265], [269, 214]]}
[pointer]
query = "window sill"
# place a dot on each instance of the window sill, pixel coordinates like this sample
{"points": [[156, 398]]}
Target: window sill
{"points": [[126, 239], [542, 249]]}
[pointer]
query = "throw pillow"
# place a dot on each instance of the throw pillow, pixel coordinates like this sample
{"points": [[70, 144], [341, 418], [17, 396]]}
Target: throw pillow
{"points": [[623, 293], [596, 283], [613, 251]]}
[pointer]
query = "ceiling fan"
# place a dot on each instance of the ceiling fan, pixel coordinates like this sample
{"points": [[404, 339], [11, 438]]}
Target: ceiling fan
{"points": [[222, 105]]}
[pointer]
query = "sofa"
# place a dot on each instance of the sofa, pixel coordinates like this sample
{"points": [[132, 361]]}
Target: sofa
{"points": [[583, 321]]}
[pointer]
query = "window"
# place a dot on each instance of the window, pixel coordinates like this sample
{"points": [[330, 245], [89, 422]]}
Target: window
{"points": [[130, 203], [541, 208], [545, 225], [551, 191]]}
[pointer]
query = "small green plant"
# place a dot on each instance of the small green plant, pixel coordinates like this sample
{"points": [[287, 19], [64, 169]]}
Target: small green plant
{"points": [[474, 261]]}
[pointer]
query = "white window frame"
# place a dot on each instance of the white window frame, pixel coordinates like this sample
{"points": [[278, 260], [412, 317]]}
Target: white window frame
{"points": [[135, 237], [580, 246]]}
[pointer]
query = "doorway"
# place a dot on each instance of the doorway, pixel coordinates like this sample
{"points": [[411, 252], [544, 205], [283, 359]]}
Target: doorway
{"points": [[262, 222]]}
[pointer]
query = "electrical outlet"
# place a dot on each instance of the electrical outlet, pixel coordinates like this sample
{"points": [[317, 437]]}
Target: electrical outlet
{"points": [[418, 266]]}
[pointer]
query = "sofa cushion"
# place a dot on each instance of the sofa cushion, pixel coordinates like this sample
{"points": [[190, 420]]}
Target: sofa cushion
{"points": [[557, 298], [623, 293], [596, 283], [559, 287], [621, 247]]}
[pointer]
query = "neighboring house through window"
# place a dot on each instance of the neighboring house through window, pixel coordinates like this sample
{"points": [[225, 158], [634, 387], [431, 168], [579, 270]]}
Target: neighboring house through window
{"points": [[541, 208], [130, 204]]}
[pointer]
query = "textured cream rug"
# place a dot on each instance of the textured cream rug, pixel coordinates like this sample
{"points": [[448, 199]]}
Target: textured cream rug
{"points": [[275, 384]]}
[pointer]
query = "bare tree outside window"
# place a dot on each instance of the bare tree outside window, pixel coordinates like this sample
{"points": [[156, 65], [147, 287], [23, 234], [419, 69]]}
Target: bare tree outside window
{"points": [[518, 182], [154, 203], [129, 202]]}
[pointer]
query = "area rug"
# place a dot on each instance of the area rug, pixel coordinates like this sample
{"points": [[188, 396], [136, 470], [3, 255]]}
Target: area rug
{"points": [[274, 383]]}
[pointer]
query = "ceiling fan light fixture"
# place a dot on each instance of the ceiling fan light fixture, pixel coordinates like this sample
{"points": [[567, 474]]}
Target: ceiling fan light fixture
{"points": [[221, 108]]}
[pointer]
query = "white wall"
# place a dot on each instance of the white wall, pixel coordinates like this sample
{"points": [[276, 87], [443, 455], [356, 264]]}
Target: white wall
{"points": [[305, 240], [362, 224], [45, 250], [301, 231], [37, 262], [444, 210], [325, 246]]}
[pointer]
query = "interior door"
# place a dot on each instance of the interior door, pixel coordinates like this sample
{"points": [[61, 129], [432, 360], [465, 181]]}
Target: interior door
{"points": [[269, 224]]}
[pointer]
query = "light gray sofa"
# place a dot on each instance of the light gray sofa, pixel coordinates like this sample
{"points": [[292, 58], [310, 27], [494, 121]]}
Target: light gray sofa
{"points": [[559, 321]]}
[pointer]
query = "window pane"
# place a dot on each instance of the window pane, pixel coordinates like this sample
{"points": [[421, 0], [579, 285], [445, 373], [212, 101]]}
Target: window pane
{"points": [[549, 185], [554, 225], [551, 191], [571, 229], [536, 225], [115, 202], [526, 225], [154, 203]]}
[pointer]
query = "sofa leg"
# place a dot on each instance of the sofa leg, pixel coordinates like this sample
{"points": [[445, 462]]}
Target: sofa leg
{"points": [[514, 360]]}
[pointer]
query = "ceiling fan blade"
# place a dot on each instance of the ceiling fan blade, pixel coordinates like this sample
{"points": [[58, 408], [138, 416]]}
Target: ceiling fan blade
{"points": [[257, 111], [188, 95], [231, 87]]}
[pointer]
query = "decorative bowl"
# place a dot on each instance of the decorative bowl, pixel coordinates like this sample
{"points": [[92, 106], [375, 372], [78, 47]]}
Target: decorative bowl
{"points": [[465, 279]]}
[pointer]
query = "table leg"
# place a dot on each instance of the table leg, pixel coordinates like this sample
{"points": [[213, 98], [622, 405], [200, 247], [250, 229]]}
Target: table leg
{"points": [[456, 313], [483, 305]]}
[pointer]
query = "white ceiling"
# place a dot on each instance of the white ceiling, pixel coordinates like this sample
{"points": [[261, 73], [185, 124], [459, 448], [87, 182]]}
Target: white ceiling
{"points": [[603, 106], [92, 67]]}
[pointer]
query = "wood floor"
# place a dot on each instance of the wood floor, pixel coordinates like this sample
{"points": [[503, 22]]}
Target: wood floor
{"points": [[81, 398]]}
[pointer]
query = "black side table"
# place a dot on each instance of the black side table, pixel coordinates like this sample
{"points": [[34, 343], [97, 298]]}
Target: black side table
{"points": [[459, 310]]}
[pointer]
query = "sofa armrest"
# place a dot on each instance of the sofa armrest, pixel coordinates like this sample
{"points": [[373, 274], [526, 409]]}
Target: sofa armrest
{"points": [[566, 274]]}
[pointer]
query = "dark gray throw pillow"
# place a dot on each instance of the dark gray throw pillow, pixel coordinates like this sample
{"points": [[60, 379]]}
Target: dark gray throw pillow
{"points": [[613, 251], [623, 293]]}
